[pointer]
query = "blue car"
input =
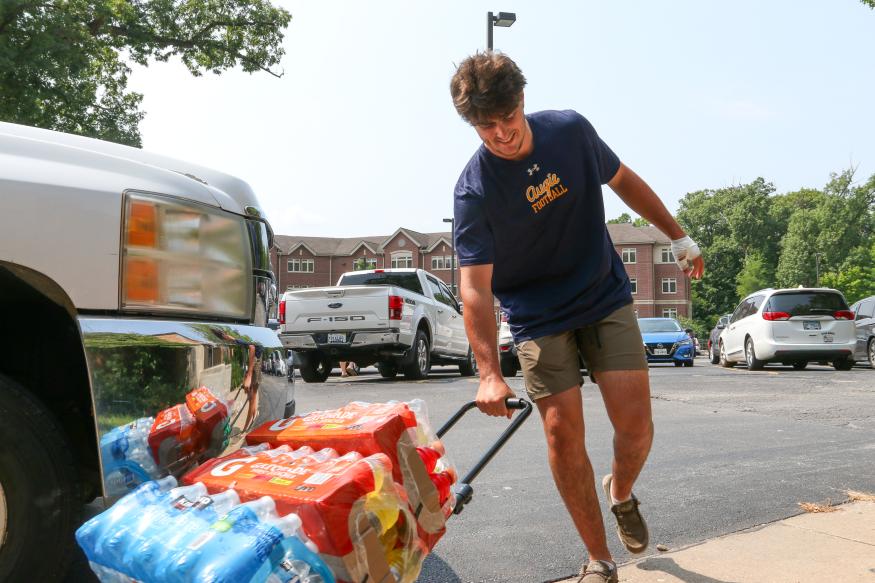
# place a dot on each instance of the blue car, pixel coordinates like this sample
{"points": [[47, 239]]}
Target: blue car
{"points": [[666, 341]]}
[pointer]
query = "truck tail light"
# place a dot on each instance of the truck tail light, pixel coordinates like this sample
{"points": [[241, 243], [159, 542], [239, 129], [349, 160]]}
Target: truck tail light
{"points": [[282, 314], [772, 316], [843, 315], [396, 306]]}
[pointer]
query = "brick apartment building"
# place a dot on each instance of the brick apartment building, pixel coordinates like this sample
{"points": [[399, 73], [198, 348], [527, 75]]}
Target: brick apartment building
{"points": [[659, 287]]}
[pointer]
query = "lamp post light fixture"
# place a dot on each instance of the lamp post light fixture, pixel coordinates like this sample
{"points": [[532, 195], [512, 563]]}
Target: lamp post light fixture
{"points": [[453, 251], [504, 19]]}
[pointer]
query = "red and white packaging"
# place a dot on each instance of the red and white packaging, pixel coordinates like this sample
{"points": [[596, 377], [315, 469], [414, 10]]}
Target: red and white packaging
{"points": [[349, 506], [397, 430]]}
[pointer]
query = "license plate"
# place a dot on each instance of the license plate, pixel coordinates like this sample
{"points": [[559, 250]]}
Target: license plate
{"points": [[660, 351], [336, 338], [810, 325], [828, 336]]}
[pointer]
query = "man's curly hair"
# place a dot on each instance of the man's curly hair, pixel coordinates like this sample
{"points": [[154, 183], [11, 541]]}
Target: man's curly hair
{"points": [[486, 85]]}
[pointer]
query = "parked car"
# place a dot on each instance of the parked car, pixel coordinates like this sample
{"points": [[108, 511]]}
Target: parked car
{"points": [[864, 322], [402, 320], [790, 326], [713, 352], [665, 340], [147, 278]]}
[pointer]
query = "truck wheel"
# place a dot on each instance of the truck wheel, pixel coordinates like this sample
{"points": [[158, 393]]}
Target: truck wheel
{"points": [[844, 364], [388, 370], [315, 369], [39, 506], [418, 361], [468, 367], [508, 367]]}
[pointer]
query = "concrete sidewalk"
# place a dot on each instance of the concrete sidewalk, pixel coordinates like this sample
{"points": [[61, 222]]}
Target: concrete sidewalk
{"points": [[832, 546]]}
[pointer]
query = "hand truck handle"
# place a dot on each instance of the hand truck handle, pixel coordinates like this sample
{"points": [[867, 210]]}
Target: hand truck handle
{"points": [[463, 489]]}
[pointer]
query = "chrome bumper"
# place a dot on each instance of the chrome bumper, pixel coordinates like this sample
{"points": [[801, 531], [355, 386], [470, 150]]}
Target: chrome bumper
{"points": [[365, 339], [139, 368]]}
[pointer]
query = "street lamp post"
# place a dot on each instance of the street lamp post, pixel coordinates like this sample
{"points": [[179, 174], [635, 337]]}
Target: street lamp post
{"points": [[504, 19], [453, 251], [817, 257]]}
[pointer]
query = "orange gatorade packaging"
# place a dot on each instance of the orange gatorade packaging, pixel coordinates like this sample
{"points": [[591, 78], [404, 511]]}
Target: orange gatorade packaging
{"points": [[184, 434], [172, 437], [211, 419], [397, 430], [349, 505]]}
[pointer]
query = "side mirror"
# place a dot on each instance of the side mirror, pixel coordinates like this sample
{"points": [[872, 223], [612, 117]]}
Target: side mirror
{"points": [[721, 325], [273, 324]]}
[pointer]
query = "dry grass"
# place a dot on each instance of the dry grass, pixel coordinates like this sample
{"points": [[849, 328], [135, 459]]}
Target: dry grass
{"points": [[860, 496], [813, 507]]}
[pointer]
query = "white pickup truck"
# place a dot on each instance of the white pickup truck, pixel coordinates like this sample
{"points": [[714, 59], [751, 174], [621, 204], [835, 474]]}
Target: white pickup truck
{"points": [[399, 319]]}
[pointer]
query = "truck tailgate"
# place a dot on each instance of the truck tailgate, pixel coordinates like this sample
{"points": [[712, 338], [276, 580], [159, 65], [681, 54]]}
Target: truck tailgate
{"points": [[341, 308]]}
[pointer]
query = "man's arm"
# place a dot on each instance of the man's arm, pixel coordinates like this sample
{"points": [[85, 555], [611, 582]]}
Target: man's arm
{"points": [[639, 197], [476, 290]]}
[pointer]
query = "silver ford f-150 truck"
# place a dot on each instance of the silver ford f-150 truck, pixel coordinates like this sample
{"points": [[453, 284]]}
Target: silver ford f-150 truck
{"points": [[134, 290], [399, 319]]}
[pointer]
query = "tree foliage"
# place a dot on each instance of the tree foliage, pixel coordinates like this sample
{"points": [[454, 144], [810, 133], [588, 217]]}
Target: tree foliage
{"points": [[622, 219], [63, 62], [752, 238]]}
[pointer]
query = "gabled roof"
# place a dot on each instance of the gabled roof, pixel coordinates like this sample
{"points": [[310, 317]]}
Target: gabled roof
{"points": [[621, 234], [626, 233], [419, 239]]}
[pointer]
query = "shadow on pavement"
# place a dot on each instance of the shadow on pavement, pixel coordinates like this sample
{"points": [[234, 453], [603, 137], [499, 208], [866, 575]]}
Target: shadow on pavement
{"points": [[669, 567], [435, 570]]}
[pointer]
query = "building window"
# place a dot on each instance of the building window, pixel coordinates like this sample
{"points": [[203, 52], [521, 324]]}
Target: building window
{"points": [[437, 263], [669, 285], [301, 266], [402, 259], [448, 261], [630, 255], [669, 312], [666, 255], [634, 283]]}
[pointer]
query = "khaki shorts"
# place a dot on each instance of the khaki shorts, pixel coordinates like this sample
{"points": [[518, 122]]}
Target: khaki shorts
{"points": [[550, 364]]}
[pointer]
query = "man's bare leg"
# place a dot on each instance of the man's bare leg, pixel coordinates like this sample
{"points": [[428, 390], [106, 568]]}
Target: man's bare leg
{"points": [[626, 394], [562, 415]]}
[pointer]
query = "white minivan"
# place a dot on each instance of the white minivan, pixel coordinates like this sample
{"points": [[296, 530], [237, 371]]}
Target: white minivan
{"points": [[790, 326]]}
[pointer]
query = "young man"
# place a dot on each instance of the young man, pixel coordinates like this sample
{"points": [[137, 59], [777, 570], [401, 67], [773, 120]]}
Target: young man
{"points": [[530, 229]]}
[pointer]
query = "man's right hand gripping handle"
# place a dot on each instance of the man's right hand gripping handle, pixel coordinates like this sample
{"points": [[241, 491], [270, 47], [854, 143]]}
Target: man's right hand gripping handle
{"points": [[491, 397]]}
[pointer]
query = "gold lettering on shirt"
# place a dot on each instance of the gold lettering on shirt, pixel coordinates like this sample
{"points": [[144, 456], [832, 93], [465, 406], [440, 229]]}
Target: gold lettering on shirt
{"points": [[543, 194]]}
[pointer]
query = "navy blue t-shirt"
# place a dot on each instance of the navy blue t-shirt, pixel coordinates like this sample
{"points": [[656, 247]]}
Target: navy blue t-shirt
{"points": [[540, 222]]}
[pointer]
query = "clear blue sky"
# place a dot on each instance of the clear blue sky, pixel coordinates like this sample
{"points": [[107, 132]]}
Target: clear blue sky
{"points": [[360, 137]]}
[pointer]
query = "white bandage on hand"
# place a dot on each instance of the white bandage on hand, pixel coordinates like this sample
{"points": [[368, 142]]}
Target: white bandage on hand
{"points": [[684, 251]]}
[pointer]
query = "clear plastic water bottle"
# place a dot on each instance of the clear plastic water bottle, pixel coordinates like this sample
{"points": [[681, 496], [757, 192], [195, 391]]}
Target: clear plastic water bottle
{"points": [[295, 558], [127, 459], [112, 549], [89, 535], [231, 550]]}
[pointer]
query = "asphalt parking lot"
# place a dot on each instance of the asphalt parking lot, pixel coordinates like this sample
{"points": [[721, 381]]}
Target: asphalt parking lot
{"points": [[733, 449]]}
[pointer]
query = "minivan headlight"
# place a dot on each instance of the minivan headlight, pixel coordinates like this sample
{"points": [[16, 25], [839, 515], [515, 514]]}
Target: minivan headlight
{"points": [[184, 257]]}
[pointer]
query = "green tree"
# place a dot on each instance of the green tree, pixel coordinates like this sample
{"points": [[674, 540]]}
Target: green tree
{"points": [[640, 222], [753, 276], [360, 264], [869, 3], [62, 66], [623, 218]]}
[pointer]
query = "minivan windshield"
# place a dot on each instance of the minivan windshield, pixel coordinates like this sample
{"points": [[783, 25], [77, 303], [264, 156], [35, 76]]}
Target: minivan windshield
{"points": [[409, 281], [666, 325], [806, 303]]}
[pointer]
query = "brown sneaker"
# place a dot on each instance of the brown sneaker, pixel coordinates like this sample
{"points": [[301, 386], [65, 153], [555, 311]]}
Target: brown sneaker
{"points": [[630, 524], [598, 572]]}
